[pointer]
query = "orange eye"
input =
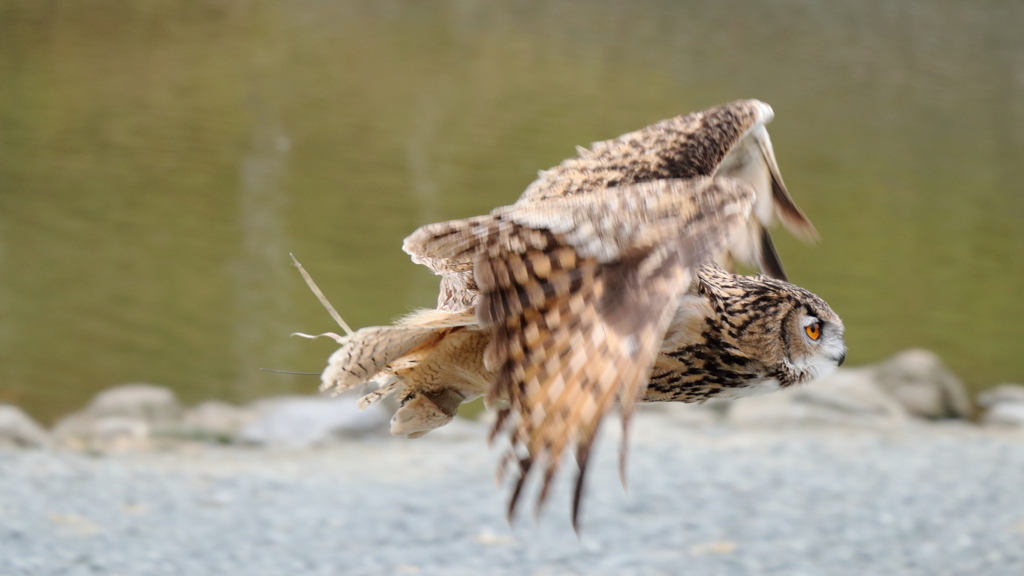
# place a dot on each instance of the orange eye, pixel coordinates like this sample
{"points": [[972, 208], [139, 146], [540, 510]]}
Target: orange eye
{"points": [[813, 330]]}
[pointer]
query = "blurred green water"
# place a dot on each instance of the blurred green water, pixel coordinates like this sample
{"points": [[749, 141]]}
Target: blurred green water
{"points": [[158, 161]]}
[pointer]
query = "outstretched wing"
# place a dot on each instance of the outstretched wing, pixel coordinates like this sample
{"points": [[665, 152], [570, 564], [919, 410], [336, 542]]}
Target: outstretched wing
{"points": [[578, 291], [728, 140]]}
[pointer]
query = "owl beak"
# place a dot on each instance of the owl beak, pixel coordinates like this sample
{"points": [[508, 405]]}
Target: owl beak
{"points": [[841, 359]]}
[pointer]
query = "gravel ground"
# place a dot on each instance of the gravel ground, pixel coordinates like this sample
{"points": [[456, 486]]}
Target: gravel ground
{"points": [[928, 500]]}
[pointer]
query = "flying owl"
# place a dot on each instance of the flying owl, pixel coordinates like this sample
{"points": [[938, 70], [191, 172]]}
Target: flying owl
{"points": [[605, 283]]}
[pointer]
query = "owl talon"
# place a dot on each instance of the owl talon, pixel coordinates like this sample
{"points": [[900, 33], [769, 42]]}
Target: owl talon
{"points": [[421, 413]]}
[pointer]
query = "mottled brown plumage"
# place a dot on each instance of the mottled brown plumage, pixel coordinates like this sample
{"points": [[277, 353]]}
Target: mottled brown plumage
{"points": [[728, 140], [598, 280], [736, 336]]}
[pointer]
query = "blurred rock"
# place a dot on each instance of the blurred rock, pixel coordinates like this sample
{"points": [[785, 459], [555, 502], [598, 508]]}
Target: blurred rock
{"points": [[121, 418], [1003, 393], [1005, 415], [119, 433], [156, 405], [18, 430], [82, 431], [217, 421], [1004, 405], [923, 384], [302, 421], [690, 415], [850, 397]]}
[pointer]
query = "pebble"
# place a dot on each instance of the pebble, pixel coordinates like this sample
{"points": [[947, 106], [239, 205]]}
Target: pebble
{"points": [[923, 499]]}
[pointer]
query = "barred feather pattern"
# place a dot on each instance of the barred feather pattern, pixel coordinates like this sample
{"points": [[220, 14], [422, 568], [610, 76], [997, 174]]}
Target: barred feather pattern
{"points": [[458, 291], [728, 140], [448, 247], [690, 146], [604, 224], [571, 342], [366, 352], [682, 147], [578, 293]]}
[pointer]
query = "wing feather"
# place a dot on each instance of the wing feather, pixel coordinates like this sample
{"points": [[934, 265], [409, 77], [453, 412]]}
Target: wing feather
{"points": [[792, 217], [686, 146], [727, 140], [578, 292]]}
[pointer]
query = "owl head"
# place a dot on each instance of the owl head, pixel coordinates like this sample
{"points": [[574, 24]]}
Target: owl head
{"points": [[792, 333]]}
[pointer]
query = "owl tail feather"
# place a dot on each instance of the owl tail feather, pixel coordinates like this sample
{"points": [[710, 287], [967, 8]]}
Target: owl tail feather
{"points": [[367, 352]]}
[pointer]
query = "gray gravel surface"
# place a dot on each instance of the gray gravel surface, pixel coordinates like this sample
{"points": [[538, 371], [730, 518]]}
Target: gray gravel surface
{"points": [[928, 500]]}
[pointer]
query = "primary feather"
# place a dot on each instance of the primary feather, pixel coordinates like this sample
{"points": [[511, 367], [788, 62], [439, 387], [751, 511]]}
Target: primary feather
{"points": [[578, 293]]}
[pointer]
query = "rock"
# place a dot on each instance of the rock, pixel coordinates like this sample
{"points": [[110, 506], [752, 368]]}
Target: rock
{"points": [[1005, 415], [18, 430], [121, 418], [1003, 393], [156, 405], [849, 397], [119, 433], [688, 415], [1004, 405], [82, 430], [302, 421], [923, 384], [216, 420]]}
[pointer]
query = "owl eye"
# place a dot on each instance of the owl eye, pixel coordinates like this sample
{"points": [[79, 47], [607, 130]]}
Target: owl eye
{"points": [[813, 330]]}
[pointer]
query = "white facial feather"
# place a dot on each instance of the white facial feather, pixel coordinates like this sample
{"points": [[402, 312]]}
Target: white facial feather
{"points": [[825, 352]]}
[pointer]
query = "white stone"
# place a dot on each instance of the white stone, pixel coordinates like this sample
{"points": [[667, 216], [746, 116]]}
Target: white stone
{"points": [[154, 404], [924, 385], [688, 415], [121, 418], [850, 397], [1005, 414], [119, 433], [1004, 405], [1003, 393], [18, 430], [83, 430], [302, 421], [216, 420]]}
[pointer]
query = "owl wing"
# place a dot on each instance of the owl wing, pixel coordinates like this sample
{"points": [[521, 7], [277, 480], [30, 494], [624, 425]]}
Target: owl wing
{"points": [[579, 291], [727, 140]]}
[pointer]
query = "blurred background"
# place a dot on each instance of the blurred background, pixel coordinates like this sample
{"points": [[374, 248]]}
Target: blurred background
{"points": [[159, 160]]}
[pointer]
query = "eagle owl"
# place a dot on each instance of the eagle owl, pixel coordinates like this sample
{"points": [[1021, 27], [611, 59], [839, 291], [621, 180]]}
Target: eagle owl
{"points": [[605, 283]]}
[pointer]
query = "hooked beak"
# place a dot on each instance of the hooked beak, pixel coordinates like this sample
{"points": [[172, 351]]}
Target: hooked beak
{"points": [[841, 359]]}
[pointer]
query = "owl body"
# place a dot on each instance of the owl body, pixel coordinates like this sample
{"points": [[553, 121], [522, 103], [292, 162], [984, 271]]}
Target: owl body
{"points": [[602, 286], [725, 341]]}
